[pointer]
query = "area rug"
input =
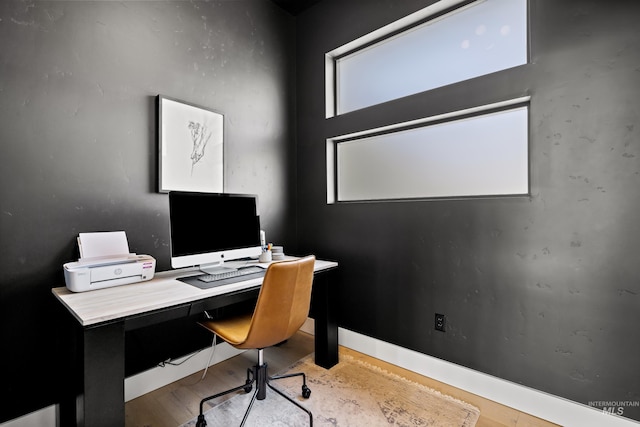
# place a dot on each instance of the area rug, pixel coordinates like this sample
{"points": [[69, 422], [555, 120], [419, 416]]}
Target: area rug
{"points": [[351, 394]]}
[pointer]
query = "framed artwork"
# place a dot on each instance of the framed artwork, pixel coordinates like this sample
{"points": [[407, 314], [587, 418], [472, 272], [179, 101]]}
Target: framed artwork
{"points": [[190, 140]]}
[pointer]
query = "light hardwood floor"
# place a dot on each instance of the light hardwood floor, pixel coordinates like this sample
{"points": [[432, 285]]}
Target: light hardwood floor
{"points": [[177, 403]]}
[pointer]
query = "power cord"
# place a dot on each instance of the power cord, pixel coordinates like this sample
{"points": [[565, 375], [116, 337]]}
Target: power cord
{"points": [[213, 350], [172, 363]]}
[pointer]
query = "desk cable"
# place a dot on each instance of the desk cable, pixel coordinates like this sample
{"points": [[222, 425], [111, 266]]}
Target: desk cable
{"points": [[172, 363], [213, 350]]}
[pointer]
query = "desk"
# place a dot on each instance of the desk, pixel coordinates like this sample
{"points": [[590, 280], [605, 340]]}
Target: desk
{"points": [[106, 314]]}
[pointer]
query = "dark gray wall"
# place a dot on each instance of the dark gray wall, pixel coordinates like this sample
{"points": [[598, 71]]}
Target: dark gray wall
{"points": [[542, 291], [78, 82]]}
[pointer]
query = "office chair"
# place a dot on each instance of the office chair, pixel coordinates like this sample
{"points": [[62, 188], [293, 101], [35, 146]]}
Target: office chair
{"points": [[282, 307]]}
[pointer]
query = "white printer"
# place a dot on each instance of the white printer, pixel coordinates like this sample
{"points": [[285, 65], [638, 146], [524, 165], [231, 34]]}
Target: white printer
{"points": [[105, 261]]}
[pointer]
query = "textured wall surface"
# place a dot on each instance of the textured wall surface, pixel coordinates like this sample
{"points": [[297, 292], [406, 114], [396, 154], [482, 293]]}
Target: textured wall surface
{"points": [[542, 290], [78, 153]]}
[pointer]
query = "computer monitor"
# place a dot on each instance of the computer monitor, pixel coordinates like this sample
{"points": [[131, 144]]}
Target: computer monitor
{"points": [[210, 228]]}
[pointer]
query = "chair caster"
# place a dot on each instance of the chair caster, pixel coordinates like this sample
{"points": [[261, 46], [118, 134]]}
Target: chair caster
{"points": [[306, 391], [201, 422], [247, 387]]}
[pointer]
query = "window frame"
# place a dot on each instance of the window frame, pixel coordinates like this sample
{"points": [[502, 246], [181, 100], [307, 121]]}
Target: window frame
{"points": [[428, 14], [478, 111]]}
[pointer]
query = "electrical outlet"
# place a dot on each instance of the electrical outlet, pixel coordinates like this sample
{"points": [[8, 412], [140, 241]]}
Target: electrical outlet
{"points": [[440, 322]]}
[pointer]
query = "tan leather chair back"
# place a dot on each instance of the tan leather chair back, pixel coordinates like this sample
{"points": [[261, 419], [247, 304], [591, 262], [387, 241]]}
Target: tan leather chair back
{"points": [[283, 303]]}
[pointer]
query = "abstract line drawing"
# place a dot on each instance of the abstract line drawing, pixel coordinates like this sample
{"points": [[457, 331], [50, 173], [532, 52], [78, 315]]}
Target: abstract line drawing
{"points": [[190, 140], [200, 135]]}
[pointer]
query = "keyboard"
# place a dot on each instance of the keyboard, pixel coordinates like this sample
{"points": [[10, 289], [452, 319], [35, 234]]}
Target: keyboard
{"points": [[240, 273]]}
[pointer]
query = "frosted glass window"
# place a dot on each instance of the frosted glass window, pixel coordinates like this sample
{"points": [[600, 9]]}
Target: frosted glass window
{"points": [[484, 155], [478, 39]]}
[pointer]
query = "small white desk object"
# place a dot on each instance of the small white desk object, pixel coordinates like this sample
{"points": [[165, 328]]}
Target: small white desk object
{"points": [[105, 262]]}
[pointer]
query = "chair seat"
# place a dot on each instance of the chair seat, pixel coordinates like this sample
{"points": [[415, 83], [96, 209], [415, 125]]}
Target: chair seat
{"points": [[233, 330], [281, 309]]}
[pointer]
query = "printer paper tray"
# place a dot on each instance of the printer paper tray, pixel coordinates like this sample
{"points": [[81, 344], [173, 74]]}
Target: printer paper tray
{"points": [[115, 272], [115, 282]]}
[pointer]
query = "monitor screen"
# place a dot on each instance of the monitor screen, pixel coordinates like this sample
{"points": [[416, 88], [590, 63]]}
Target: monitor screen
{"points": [[210, 228]]}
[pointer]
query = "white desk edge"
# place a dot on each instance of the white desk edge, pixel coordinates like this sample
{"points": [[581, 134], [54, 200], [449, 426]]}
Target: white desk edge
{"points": [[163, 291]]}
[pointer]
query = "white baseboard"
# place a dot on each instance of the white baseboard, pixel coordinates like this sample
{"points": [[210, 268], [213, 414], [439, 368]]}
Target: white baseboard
{"points": [[534, 402], [543, 405], [147, 381], [45, 417], [308, 326]]}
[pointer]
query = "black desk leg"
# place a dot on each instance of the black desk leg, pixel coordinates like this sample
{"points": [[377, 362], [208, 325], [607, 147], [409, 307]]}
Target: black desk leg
{"points": [[326, 321], [101, 400]]}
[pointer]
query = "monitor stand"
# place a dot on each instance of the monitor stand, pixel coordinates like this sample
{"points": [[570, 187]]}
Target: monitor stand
{"points": [[216, 268]]}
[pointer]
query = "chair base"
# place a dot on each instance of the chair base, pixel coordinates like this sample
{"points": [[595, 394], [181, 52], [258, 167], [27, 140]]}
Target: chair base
{"points": [[258, 375]]}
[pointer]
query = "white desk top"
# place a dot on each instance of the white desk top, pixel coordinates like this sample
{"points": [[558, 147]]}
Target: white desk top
{"points": [[162, 291]]}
